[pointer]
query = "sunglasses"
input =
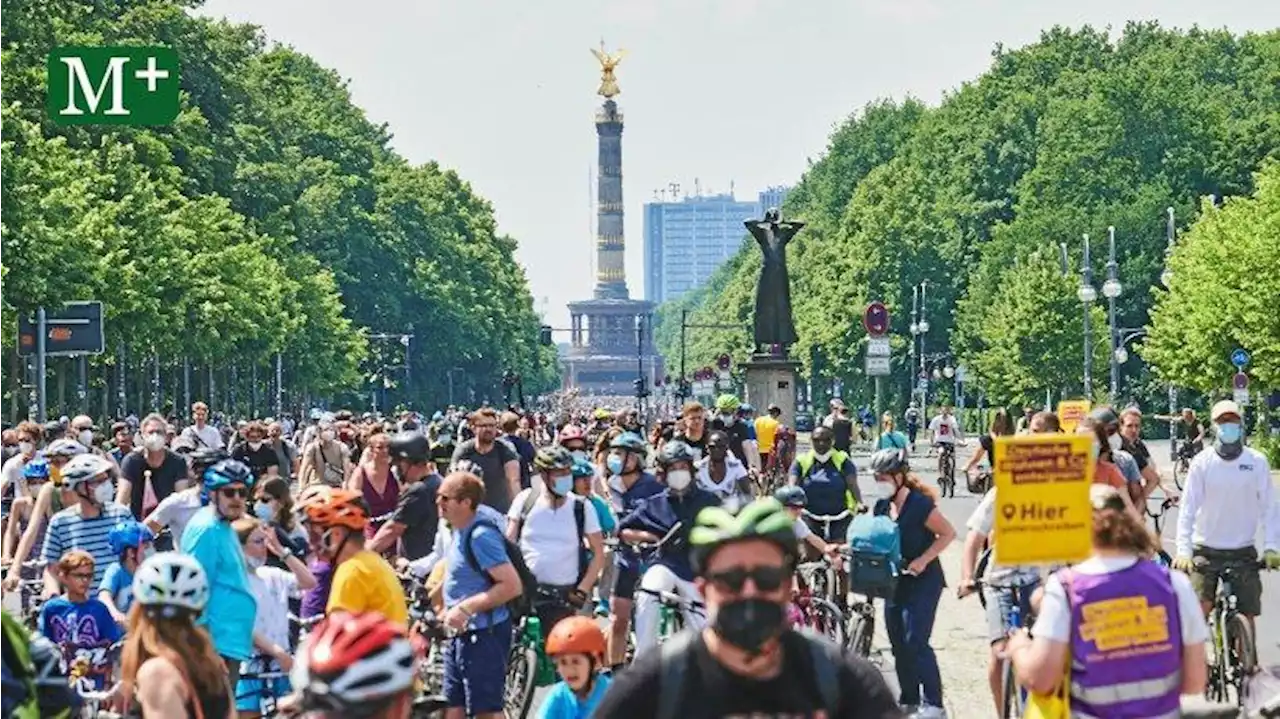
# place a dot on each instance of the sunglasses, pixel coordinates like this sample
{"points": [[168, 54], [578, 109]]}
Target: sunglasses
{"points": [[766, 579], [233, 492]]}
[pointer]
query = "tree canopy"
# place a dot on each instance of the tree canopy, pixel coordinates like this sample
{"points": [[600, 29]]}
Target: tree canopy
{"points": [[1073, 134], [271, 217]]}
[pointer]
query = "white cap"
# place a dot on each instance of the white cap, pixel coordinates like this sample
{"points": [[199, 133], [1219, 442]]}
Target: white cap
{"points": [[1222, 407]]}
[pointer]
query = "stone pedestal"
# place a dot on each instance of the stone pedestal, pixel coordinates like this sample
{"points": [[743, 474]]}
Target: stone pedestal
{"points": [[772, 380]]}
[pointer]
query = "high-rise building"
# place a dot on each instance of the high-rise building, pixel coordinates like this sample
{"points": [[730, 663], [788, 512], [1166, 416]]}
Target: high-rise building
{"points": [[686, 241]]}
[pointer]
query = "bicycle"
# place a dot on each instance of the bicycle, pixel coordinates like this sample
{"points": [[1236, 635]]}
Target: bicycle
{"points": [[30, 591], [671, 609], [1234, 651], [978, 481], [268, 698], [1157, 516], [861, 619], [812, 609], [1013, 702], [528, 666], [947, 469], [1182, 456]]}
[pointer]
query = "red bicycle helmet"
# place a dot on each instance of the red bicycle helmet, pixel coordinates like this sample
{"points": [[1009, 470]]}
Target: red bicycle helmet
{"points": [[350, 663], [570, 433], [338, 508]]}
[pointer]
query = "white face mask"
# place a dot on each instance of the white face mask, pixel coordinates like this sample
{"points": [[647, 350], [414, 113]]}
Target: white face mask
{"points": [[86, 437], [883, 490], [154, 442], [255, 444], [679, 479], [822, 457], [104, 492], [27, 448], [254, 562], [1116, 442]]}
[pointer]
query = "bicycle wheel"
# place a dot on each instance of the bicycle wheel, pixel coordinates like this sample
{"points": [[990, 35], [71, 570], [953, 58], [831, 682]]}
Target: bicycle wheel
{"points": [[1242, 656], [825, 619], [522, 671], [864, 629], [1179, 473], [1011, 703]]}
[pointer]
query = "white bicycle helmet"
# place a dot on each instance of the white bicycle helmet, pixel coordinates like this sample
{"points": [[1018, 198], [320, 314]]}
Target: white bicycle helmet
{"points": [[83, 468], [64, 448], [171, 579]]}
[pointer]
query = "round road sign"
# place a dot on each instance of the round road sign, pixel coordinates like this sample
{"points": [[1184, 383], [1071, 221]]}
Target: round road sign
{"points": [[1240, 381], [723, 361], [1239, 358], [876, 319]]}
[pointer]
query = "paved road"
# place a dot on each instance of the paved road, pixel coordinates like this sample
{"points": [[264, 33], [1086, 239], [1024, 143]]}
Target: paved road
{"points": [[959, 636]]}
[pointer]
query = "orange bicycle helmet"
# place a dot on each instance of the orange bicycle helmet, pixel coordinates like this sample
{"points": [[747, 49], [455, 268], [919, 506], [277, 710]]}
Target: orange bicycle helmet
{"points": [[352, 663], [576, 635], [338, 508]]}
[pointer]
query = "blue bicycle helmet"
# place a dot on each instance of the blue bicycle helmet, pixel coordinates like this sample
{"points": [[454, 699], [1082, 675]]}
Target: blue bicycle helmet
{"points": [[629, 442], [129, 534], [583, 468], [791, 496], [37, 468], [228, 471]]}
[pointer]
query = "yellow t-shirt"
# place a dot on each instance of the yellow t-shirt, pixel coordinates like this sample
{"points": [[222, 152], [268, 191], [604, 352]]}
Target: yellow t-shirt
{"points": [[766, 430], [366, 583]]}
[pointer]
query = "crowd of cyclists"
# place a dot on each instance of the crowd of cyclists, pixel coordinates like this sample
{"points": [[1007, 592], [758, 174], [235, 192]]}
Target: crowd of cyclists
{"points": [[391, 567]]}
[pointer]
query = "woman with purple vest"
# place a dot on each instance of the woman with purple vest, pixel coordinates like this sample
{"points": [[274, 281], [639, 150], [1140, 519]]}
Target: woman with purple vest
{"points": [[1130, 630]]}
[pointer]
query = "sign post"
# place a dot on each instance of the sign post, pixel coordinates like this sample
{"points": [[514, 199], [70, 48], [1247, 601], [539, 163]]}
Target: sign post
{"points": [[1043, 510], [875, 319]]}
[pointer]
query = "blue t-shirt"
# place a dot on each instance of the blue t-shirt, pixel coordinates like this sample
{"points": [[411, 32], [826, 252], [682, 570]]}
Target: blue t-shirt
{"points": [[625, 502], [118, 582], [463, 581], [607, 521], [826, 484], [562, 703], [82, 630], [892, 440], [230, 613]]}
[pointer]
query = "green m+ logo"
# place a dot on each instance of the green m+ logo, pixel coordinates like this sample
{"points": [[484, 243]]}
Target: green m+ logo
{"points": [[112, 85]]}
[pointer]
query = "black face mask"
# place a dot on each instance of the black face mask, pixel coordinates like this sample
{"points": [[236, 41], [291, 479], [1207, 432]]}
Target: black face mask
{"points": [[749, 623]]}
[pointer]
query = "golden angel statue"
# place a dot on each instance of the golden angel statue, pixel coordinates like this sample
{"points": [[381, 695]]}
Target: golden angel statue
{"points": [[608, 83]]}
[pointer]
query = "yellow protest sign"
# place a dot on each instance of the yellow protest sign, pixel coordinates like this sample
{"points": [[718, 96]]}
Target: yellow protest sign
{"points": [[1043, 512], [1072, 412]]}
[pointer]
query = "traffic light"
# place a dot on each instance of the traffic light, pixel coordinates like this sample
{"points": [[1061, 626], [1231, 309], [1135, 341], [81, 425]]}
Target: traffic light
{"points": [[641, 386], [544, 335]]}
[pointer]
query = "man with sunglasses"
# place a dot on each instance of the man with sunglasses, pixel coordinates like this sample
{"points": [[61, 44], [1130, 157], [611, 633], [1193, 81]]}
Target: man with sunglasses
{"points": [[208, 537], [746, 662]]}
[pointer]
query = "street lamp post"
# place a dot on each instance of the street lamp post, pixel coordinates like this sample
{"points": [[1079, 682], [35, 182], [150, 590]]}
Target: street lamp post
{"points": [[1111, 290], [1087, 295]]}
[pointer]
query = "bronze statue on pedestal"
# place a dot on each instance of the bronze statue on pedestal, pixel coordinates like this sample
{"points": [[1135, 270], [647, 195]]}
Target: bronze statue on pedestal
{"points": [[773, 327]]}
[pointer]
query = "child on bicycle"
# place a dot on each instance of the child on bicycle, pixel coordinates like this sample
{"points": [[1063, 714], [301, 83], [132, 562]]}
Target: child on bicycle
{"points": [[81, 625], [576, 644], [130, 541], [794, 500]]}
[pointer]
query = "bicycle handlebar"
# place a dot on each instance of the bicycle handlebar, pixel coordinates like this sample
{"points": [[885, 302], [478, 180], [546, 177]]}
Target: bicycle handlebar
{"points": [[674, 600], [827, 517]]}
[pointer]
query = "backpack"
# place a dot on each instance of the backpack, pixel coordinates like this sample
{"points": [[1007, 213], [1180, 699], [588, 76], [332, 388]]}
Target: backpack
{"points": [[579, 518], [677, 653], [522, 605], [875, 553]]}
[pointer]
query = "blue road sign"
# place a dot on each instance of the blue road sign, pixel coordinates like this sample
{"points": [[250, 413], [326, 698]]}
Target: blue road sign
{"points": [[1239, 358]]}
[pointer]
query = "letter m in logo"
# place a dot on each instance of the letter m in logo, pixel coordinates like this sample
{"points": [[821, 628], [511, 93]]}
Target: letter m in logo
{"points": [[112, 85]]}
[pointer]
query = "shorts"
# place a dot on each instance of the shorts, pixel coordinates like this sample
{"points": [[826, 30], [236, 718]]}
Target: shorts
{"points": [[1208, 566], [1000, 609], [251, 693], [475, 669], [839, 530], [625, 581]]}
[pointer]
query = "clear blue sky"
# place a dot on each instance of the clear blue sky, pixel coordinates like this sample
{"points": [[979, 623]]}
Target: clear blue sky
{"points": [[720, 90]]}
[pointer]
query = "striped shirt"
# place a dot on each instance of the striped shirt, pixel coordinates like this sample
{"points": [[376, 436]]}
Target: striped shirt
{"points": [[68, 530]]}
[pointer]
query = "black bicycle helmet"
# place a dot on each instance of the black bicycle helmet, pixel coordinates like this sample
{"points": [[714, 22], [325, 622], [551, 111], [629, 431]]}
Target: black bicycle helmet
{"points": [[203, 458], [1104, 416], [761, 519], [889, 461], [675, 451], [791, 496], [411, 446]]}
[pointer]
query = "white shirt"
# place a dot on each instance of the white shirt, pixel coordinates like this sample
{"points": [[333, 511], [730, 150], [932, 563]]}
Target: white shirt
{"points": [[1054, 621], [945, 430], [549, 538], [208, 435], [175, 511], [11, 472], [272, 587], [1226, 501], [734, 470]]}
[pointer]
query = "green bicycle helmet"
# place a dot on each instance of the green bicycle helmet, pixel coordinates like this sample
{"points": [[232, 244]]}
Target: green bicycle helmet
{"points": [[552, 458], [762, 519], [675, 451], [629, 442], [727, 403]]}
